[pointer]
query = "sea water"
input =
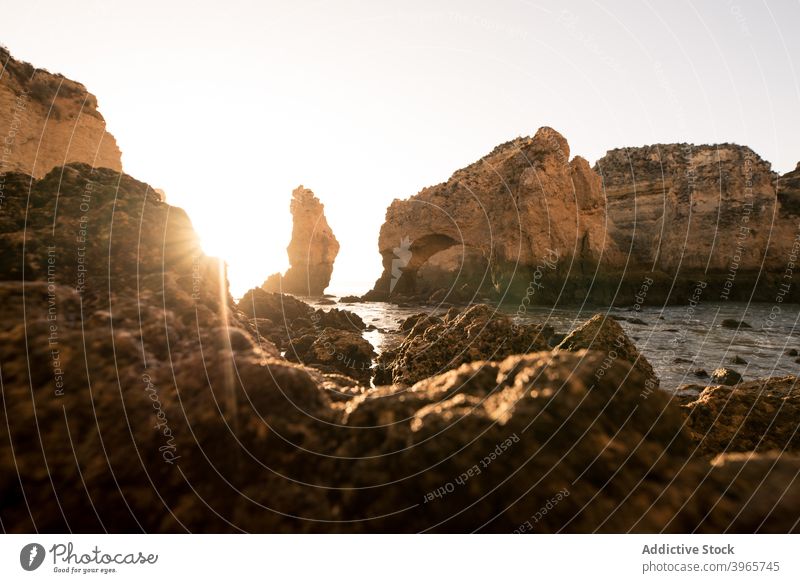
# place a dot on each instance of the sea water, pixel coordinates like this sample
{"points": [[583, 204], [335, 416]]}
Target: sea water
{"points": [[676, 340]]}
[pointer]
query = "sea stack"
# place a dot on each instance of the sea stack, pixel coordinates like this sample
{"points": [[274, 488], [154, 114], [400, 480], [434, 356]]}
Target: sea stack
{"points": [[312, 250]]}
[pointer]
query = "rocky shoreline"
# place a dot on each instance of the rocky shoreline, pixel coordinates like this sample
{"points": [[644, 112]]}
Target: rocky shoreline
{"points": [[138, 396], [243, 438], [645, 226]]}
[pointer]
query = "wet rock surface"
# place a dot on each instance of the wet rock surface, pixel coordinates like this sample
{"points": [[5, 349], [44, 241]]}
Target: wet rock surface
{"points": [[435, 344], [726, 376], [759, 415], [604, 334], [732, 324], [334, 351], [282, 318]]}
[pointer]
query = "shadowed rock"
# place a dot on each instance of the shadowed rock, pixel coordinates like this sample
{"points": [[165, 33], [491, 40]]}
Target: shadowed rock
{"points": [[757, 415], [143, 403], [603, 333], [255, 443], [434, 345], [334, 351], [726, 376], [281, 318]]}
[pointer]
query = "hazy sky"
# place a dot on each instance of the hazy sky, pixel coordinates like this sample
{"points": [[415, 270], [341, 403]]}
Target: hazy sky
{"points": [[229, 105]]}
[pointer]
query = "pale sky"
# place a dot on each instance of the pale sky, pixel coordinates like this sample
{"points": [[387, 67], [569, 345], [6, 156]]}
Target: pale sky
{"points": [[230, 105]]}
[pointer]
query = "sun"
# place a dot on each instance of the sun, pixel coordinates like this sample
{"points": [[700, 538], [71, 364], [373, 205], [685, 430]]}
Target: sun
{"points": [[251, 254]]}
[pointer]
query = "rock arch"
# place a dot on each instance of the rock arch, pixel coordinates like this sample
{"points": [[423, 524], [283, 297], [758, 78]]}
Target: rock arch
{"points": [[401, 263]]}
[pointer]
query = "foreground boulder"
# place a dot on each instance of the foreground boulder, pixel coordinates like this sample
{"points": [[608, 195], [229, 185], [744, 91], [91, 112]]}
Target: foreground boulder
{"points": [[758, 415], [434, 344], [603, 333], [256, 443], [312, 250], [539, 443]]}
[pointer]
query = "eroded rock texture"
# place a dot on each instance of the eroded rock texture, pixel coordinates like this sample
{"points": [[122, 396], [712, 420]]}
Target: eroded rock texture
{"points": [[47, 120], [527, 225], [760, 415], [524, 205], [711, 213], [434, 345], [283, 320], [602, 333], [312, 250]]}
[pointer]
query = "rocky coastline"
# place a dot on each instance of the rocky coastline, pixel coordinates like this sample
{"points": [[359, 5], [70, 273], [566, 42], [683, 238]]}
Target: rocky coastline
{"points": [[138, 396], [644, 225]]}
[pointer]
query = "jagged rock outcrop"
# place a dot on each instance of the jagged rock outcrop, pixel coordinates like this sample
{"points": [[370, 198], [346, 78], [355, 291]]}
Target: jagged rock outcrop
{"points": [[760, 415], [282, 318], [645, 225], [138, 397], [312, 250], [486, 446], [604, 334], [684, 213], [331, 350], [789, 192], [47, 120], [434, 345], [524, 212], [99, 232]]}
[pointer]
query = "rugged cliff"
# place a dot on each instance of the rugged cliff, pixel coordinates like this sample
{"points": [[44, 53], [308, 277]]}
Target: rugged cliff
{"points": [[789, 192], [47, 120], [528, 225], [684, 213], [524, 212], [312, 250]]}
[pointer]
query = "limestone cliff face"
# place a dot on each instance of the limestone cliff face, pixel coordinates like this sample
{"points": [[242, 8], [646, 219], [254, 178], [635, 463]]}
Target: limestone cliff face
{"points": [[312, 250], [47, 120], [711, 212], [523, 206], [789, 192], [658, 218]]}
